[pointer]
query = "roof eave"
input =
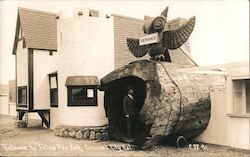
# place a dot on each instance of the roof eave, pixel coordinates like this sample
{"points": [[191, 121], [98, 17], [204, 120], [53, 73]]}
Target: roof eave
{"points": [[16, 35]]}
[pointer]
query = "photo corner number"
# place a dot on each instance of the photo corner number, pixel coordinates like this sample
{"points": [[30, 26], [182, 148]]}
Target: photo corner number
{"points": [[197, 147]]}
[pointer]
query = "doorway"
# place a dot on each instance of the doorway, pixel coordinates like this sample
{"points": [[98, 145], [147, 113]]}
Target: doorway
{"points": [[113, 103]]}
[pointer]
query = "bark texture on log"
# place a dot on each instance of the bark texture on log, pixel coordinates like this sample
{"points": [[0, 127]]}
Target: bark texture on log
{"points": [[177, 103]]}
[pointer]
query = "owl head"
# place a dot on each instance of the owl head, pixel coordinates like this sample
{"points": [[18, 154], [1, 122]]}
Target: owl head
{"points": [[155, 25]]}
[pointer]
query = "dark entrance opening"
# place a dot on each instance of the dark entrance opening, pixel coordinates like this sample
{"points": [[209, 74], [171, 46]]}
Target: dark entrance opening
{"points": [[113, 103]]}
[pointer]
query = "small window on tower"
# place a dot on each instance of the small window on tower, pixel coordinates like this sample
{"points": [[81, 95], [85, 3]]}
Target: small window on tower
{"points": [[93, 13]]}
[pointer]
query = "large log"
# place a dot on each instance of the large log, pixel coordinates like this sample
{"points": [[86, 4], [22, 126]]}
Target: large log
{"points": [[172, 101]]}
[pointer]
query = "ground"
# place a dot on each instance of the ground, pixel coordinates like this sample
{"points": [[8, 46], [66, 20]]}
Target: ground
{"points": [[38, 141]]}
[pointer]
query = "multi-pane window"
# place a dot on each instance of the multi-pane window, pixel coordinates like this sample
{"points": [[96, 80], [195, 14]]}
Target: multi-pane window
{"points": [[22, 96], [53, 90], [241, 96], [82, 95]]}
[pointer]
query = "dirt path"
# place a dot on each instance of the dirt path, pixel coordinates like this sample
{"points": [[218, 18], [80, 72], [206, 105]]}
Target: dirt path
{"points": [[38, 141]]}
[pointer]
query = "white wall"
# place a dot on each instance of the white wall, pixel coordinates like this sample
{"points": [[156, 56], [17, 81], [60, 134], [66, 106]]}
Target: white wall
{"points": [[43, 65], [86, 46], [238, 131], [216, 131], [22, 67], [54, 117]]}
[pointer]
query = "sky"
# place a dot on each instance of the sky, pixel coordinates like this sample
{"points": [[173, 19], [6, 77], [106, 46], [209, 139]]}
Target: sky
{"points": [[221, 33]]}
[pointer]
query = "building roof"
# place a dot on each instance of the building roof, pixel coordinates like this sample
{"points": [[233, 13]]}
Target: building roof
{"points": [[39, 29]]}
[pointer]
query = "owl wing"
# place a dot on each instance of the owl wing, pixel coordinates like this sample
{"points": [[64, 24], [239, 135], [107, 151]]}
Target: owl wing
{"points": [[135, 48], [174, 38]]}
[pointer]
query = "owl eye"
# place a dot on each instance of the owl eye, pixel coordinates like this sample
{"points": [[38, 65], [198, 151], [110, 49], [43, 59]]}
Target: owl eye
{"points": [[159, 23]]}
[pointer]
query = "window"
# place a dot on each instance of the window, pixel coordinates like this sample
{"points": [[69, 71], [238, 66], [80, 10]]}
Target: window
{"points": [[82, 95], [22, 96], [82, 90], [53, 90], [241, 96], [93, 13]]}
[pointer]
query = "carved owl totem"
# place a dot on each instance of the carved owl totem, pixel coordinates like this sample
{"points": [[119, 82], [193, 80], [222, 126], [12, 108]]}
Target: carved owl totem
{"points": [[168, 37]]}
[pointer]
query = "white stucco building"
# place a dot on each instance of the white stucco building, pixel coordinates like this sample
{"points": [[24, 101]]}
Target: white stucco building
{"points": [[52, 52]]}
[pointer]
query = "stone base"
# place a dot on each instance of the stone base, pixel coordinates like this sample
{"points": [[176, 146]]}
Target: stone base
{"points": [[89, 132], [21, 124]]}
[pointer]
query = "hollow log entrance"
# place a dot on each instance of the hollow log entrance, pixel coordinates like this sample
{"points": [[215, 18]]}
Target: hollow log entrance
{"points": [[113, 103]]}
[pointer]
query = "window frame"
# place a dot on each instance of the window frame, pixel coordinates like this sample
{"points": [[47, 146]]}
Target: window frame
{"points": [[18, 96], [86, 101], [93, 13], [242, 106], [53, 90]]}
